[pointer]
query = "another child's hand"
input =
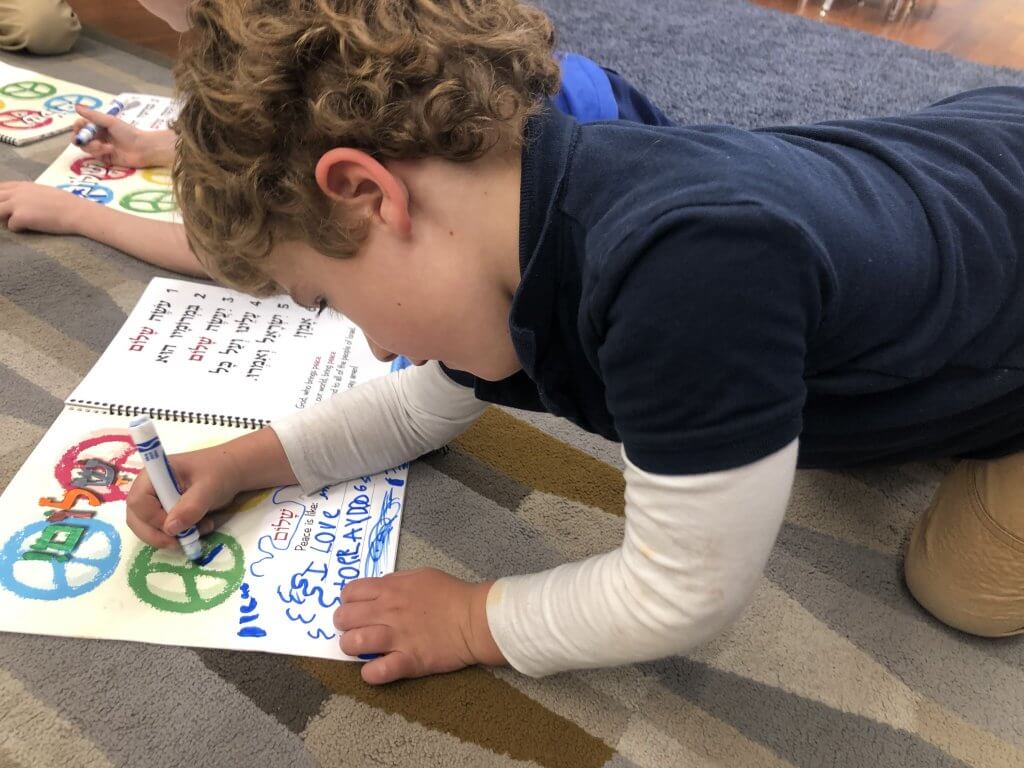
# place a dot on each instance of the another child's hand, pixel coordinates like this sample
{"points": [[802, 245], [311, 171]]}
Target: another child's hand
{"points": [[209, 479], [119, 143], [420, 623], [27, 205]]}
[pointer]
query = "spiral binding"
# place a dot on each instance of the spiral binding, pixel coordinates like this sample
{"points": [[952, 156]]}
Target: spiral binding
{"points": [[167, 414]]}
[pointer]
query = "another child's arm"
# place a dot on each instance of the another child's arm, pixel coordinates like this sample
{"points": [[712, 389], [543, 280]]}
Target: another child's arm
{"points": [[25, 205]]}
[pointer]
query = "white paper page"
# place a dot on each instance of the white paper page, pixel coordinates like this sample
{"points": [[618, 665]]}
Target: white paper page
{"points": [[144, 192], [35, 106], [196, 348], [273, 585]]}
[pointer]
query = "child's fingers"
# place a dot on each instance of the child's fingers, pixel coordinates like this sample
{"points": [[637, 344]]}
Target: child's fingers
{"points": [[387, 669], [361, 589], [360, 614], [144, 514], [366, 640], [101, 119], [188, 512], [97, 147]]}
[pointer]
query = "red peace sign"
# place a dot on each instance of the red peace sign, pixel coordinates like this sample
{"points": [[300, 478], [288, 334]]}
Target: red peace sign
{"points": [[93, 168], [104, 464], [23, 119]]}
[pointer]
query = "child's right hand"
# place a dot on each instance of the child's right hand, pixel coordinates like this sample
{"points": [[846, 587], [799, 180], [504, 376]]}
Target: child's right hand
{"points": [[209, 479], [119, 143]]}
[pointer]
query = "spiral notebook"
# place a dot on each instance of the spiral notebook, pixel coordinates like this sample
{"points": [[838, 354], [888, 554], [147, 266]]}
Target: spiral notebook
{"points": [[208, 364], [34, 106]]}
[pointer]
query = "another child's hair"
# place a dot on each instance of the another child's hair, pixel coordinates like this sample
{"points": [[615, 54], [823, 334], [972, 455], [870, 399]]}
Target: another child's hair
{"points": [[268, 86]]}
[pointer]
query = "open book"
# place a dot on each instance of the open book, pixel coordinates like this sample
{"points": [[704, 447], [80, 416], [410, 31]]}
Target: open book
{"points": [[34, 107], [142, 192], [208, 364]]}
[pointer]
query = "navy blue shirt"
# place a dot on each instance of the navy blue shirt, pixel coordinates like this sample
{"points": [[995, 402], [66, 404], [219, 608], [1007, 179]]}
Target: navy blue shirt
{"points": [[707, 294]]}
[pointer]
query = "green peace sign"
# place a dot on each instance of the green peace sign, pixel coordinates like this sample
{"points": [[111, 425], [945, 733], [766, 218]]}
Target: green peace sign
{"points": [[28, 89], [149, 201], [168, 582]]}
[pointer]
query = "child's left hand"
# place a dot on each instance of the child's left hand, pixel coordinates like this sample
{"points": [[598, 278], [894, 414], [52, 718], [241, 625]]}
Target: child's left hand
{"points": [[26, 205], [420, 623]]}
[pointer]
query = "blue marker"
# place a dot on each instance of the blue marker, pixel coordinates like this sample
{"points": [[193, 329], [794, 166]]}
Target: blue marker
{"points": [[89, 130], [143, 432]]}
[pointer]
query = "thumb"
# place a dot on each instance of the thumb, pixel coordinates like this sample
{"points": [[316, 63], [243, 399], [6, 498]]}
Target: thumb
{"points": [[101, 119], [192, 507]]}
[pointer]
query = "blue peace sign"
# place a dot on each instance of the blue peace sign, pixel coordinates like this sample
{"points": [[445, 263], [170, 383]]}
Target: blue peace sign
{"points": [[95, 192], [98, 567], [66, 102]]}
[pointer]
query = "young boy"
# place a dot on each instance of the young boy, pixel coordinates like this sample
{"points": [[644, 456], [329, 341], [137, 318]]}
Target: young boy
{"points": [[725, 303], [588, 93], [37, 26]]}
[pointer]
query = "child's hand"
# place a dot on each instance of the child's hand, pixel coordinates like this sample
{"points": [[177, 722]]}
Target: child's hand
{"points": [[119, 143], [421, 622], [209, 479], [27, 205]]}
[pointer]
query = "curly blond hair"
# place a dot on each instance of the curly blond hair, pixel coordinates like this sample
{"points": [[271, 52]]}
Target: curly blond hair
{"points": [[268, 86]]}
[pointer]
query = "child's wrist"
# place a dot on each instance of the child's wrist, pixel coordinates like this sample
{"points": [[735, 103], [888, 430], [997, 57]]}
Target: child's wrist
{"points": [[159, 148], [485, 650]]}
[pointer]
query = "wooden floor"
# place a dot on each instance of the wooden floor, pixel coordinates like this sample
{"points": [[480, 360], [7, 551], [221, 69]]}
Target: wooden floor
{"points": [[987, 31], [130, 21]]}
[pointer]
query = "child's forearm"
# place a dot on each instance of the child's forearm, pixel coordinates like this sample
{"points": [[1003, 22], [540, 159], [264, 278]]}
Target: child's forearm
{"points": [[258, 461], [380, 424], [161, 243], [693, 551]]}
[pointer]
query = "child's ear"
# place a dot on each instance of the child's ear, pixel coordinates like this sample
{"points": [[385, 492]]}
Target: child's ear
{"points": [[360, 183]]}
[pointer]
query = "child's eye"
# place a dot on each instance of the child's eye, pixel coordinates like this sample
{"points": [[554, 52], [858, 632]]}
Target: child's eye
{"points": [[319, 304]]}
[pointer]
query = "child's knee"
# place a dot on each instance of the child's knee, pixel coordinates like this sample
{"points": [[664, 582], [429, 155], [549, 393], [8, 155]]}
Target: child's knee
{"points": [[965, 559], [39, 26]]}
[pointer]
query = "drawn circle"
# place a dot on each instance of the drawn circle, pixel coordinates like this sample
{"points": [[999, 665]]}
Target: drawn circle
{"points": [[111, 449], [149, 201], [94, 560], [23, 119], [93, 168], [28, 89], [66, 102], [161, 176], [97, 193], [165, 580]]}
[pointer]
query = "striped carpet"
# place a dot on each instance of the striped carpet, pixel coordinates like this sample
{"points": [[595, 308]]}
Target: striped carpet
{"points": [[832, 665]]}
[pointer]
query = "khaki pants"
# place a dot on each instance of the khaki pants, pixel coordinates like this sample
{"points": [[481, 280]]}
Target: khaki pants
{"points": [[38, 26], [965, 559]]}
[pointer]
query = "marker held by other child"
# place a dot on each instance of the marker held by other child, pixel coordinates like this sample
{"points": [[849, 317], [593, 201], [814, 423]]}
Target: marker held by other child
{"points": [[89, 130], [147, 441]]}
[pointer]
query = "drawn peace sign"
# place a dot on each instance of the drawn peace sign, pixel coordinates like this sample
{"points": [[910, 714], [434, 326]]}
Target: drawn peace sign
{"points": [[28, 89], [23, 119], [149, 201], [167, 581], [66, 102], [90, 166], [95, 192], [161, 176], [95, 557]]}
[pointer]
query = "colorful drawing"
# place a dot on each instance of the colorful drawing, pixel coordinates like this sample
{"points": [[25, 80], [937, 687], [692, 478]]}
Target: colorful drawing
{"points": [[23, 119], [66, 102], [105, 464], [95, 192], [94, 169], [165, 580], [48, 561], [28, 89], [149, 201]]}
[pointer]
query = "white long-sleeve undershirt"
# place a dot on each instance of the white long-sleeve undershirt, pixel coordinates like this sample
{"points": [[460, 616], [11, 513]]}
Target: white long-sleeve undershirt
{"points": [[693, 550]]}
